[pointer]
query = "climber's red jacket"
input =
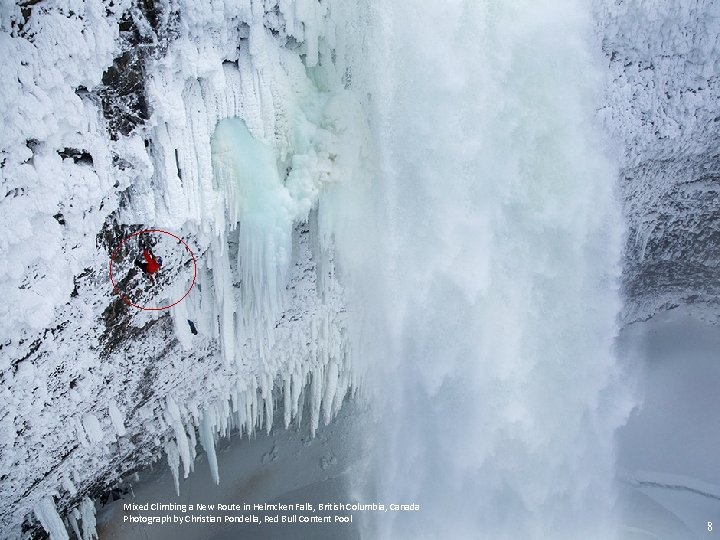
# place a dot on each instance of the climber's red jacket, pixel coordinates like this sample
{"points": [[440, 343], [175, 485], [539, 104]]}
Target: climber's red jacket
{"points": [[152, 264]]}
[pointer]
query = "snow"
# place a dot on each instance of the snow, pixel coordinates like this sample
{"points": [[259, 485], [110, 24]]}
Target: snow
{"points": [[40, 104], [92, 427], [666, 451], [662, 102], [89, 383], [117, 418]]}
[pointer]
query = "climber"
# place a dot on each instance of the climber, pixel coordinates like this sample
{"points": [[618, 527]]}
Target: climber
{"points": [[150, 265]]}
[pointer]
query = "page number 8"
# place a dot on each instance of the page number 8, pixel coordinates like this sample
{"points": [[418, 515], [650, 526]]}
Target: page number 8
{"points": [[709, 526]]}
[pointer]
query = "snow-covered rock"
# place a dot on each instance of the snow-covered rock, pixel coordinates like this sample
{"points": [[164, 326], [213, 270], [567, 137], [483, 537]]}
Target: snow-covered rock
{"points": [[663, 106], [110, 126]]}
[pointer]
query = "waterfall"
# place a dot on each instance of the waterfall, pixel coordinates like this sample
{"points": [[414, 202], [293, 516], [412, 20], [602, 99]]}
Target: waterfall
{"points": [[485, 274]]}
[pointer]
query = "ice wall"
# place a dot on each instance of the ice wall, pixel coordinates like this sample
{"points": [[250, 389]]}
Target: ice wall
{"points": [[490, 278], [110, 110], [264, 209]]}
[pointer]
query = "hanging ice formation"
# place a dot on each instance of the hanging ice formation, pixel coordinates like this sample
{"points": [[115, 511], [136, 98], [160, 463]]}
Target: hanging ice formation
{"points": [[253, 124], [240, 162]]}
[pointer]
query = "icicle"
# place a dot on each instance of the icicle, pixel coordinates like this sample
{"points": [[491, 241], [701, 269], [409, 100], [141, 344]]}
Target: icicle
{"points": [[174, 419], [173, 457], [193, 410], [193, 446], [331, 386], [224, 296], [254, 412], [250, 417], [301, 401], [242, 413], [87, 517], [73, 519], [207, 440], [223, 421], [246, 170], [287, 408], [266, 392], [343, 389], [50, 520], [315, 399], [298, 382]]}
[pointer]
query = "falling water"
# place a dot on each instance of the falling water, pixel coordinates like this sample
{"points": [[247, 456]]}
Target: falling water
{"points": [[486, 265]]}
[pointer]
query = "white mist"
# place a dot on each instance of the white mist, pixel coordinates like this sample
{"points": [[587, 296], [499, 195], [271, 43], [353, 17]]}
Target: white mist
{"points": [[484, 265]]}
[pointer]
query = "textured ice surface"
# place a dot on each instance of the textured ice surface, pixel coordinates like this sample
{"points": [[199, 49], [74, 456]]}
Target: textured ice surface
{"points": [[663, 106], [108, 113], [257, 199]]}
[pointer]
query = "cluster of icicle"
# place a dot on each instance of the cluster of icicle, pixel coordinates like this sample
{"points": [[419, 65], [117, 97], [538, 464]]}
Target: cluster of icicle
{"points": [[81, 519], [237, 112], [287, 101], [317, 379]]}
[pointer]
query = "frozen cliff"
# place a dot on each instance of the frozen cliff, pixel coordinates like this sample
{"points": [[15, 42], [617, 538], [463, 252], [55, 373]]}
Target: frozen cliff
{"points": [[126, 115], [663, 107]]}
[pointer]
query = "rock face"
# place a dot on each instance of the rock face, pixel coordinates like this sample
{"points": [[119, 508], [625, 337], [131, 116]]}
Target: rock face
{"points": [[109, 108], [663, 106]]}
